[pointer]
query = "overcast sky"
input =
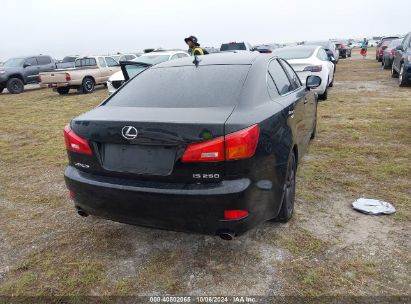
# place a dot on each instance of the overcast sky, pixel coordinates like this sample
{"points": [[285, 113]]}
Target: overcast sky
{"points": [[63, 27]]}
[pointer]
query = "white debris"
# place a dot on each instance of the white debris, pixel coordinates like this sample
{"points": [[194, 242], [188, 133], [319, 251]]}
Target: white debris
{"points": [[373, 206]]}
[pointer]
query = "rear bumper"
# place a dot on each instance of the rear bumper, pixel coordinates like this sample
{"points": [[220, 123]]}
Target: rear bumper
{"points": [[54, 85], [193, 208]]}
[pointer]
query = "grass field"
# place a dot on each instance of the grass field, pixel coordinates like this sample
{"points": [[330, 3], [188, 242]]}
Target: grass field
{"points": [[362, 149]]}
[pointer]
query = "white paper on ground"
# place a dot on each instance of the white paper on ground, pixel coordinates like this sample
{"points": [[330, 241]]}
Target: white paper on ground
{"points": [[373, 206]]}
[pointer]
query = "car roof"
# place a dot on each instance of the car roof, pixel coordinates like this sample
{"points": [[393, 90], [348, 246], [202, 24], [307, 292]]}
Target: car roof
{"points": [[306, 47], [169, 53], [226, 58]]}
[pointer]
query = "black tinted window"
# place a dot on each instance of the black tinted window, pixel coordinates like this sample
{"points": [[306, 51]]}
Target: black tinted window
{"points": [[280, 78], [43, 60], [32, 61], [183, 87], [233, 46]]}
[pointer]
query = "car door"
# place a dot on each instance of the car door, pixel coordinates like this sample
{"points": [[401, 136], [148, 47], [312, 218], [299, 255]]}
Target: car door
{"points": [[322, 55], [112, 65], [399, 53], [292, 100], [45, 64], [104, 70], [31, 68], [308, 101]]}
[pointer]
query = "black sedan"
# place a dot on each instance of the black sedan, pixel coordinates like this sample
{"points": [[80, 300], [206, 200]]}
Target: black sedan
{"points": [[209, 145]]}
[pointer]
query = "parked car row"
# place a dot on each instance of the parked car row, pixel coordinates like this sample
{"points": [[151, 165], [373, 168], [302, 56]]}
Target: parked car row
{"points": [[19, 71], [401, 61]]}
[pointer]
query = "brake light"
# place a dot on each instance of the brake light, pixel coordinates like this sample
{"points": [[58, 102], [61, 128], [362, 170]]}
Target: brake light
{"points": [[207, 151], [68, 77], [242, 144], [313, 68], [392, 52], [237, 145], [235, 214], [76, 143]]}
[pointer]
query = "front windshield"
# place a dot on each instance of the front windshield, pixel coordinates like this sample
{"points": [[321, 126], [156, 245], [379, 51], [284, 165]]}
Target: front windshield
{"points": [[152, 59], [14, 63], [294, 53]]}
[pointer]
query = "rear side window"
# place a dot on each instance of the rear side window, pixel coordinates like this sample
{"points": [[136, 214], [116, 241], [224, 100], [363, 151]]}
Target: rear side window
{"points": [[295, 81], [183, 87], [32, 61], [111, 62], [84, 62], [43, 60], [281, 80], [102, 62]]}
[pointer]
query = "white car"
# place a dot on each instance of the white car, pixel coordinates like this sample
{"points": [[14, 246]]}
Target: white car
{"points": [[124, 57], [155, 57], [309, 60]]}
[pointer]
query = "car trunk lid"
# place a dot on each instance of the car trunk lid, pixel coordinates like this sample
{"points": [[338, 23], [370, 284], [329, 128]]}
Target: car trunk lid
{"points": [[150, 141]]}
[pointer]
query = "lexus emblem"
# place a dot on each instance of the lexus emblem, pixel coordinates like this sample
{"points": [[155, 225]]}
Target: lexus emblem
{"points": [[129, 132]]}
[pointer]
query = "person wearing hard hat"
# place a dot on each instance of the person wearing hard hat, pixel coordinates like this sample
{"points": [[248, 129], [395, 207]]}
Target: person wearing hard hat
{"points": [[194, 46]]}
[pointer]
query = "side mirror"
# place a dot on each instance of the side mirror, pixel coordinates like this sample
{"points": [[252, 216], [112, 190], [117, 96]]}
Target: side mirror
{"points": [[399, 48], [313, 82], [25, 65]]}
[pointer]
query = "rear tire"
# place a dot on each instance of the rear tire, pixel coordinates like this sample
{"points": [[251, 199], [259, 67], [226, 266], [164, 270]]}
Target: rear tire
{"points": [[323, 96], [15, 86], [394, 73], [287, 204], [1, 89], [88, 85], [385, 65], [314, 132], [63, 91], [402, 82]]}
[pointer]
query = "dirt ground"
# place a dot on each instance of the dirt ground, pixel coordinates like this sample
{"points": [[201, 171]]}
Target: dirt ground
{"points": [[362, 149]]}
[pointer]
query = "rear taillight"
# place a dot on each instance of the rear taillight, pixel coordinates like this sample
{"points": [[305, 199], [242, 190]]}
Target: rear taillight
{"points": [[392, 52], [72, 194], [237, 145], [68, 77], [235, 214], [208, 151], [313, 68], [76, 143], [242, 144]]}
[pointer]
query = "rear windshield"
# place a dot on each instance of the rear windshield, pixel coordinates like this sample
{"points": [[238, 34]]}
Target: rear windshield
{"points": [[233, 46], [183, 87], [395, 43], [295, 53], [85, 62]]}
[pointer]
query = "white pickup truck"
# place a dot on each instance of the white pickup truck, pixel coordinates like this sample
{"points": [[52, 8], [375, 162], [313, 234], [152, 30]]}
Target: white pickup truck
{"points": [[86, 74]]}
